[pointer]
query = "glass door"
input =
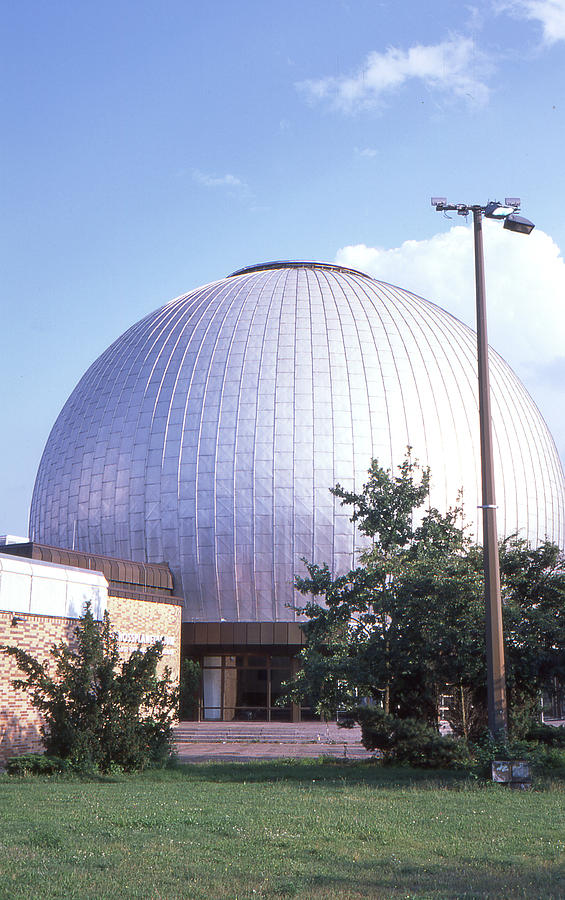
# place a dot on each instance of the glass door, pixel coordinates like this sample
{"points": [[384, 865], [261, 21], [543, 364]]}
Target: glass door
{"points": [[245, 688]]}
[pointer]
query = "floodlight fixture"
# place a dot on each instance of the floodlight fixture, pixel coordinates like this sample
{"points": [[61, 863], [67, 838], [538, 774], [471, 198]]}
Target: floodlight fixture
{"points": [[439, 201], [518, 224], [495, 210], [512, 201]]}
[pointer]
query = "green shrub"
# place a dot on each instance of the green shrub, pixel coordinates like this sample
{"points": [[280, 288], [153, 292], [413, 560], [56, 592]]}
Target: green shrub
{"points": [[553, 759], [100, 711], [410, 741], [540, 756], [550, 735], [486, 749], [36, 764]]}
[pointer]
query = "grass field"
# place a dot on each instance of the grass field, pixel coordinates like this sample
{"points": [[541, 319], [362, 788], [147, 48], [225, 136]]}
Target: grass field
{"points": [[272, 830]]}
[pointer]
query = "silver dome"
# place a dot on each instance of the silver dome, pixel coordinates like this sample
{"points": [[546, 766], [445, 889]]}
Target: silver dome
{"points": [[209, 433]]}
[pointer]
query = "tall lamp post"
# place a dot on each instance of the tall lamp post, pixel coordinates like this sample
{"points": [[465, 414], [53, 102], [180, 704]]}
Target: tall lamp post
{"points": [[496, 679]]}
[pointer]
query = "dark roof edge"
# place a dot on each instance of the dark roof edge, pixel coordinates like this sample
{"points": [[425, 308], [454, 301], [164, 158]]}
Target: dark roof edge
{"points": [[117, 570], [297, 264]]}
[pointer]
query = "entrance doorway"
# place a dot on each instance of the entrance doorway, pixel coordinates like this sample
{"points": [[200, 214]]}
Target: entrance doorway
{"points": [[245, 687]]}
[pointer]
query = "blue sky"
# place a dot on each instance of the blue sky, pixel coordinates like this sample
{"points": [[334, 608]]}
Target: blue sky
{"points": [[149, 148]]}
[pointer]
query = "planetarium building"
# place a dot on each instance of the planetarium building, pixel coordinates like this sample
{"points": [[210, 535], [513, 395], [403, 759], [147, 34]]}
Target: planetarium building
{"points": [[208, 436]]}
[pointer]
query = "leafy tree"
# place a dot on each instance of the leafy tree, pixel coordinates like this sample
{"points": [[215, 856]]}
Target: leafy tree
{"points": [[190, 680], [533, 594], [410, 619], [373, 636], [333, 673], [385, 507], [100, 711]]}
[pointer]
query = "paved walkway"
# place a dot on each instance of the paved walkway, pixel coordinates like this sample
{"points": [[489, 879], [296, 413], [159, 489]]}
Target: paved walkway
{"points": [[242, 752]]}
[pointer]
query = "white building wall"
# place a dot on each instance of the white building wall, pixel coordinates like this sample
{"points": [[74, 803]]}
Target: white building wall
{"points": [[47, 589]]}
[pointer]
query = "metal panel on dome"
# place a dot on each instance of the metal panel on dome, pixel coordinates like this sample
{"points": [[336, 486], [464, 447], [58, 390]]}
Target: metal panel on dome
{"points": [[209, 434]]}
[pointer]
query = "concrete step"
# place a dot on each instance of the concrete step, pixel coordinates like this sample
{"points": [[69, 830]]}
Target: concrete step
{"points": [[266, 732]]}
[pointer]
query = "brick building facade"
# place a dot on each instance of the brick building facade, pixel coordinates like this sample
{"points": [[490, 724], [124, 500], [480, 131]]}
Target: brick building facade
{"points": [[138, 597]]}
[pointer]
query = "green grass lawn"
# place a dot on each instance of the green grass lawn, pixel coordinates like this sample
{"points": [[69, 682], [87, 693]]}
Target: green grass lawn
{"points": [[269, 830]]}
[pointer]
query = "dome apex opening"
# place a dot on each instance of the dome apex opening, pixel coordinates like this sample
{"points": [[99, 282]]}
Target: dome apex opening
{"points": [[297, 264]]}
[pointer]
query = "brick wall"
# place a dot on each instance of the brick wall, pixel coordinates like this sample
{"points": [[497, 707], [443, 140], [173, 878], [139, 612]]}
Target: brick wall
{"points": [[19, 721], [141, 621], [134, 620]]}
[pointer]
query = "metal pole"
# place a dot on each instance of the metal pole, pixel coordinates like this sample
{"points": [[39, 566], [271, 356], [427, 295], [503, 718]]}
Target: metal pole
{"points": [[496, 680]]}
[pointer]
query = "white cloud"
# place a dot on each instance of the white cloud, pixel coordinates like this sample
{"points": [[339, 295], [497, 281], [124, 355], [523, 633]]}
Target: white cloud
{"points": [[447, 67], [217, 180], [525, 285], [549, 13], [366, 152]]}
